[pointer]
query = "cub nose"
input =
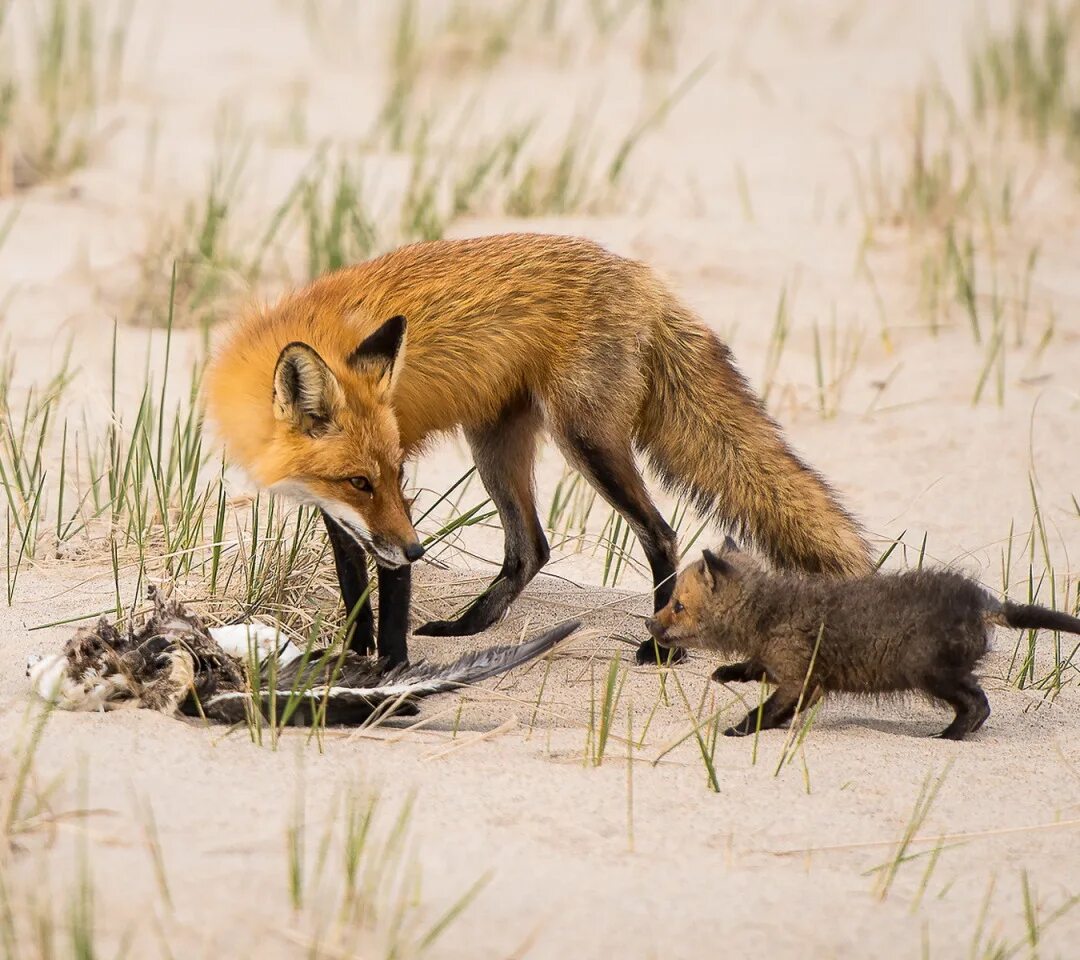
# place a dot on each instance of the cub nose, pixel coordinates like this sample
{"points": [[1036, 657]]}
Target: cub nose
{"points": [[414, 551], [652, 625]]}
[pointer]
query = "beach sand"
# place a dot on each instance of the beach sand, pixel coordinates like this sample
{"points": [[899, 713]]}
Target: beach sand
{"points": [[756, 188]]}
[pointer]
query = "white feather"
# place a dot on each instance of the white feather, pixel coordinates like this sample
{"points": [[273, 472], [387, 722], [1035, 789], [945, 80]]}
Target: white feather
{"points": [[239, 639]]}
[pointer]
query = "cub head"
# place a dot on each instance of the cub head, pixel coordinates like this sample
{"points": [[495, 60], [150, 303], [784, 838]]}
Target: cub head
{"points": [[329, 435], [703, 593]]}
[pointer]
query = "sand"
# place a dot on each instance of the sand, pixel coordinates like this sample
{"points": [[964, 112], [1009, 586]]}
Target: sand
{"points": [[748, 188]]}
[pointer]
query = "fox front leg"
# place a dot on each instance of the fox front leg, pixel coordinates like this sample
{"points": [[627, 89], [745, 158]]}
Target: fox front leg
{"points": [[774, 712], [351, 563], [745, 671], [395, 595], [395, 592]]}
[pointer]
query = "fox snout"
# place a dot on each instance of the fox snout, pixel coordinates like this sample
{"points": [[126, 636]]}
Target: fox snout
{"points": [[655, 627], [393, 553], [391, 545], [411, 552]]}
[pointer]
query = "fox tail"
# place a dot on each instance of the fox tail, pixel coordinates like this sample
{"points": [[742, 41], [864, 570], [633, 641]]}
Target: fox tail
{"points": [[707, 435]]}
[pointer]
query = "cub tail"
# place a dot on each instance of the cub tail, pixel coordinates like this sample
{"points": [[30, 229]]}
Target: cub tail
{"points": [[1033, 617]]}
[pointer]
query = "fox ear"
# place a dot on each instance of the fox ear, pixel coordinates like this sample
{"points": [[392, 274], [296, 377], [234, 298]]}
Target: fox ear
{"points": [[382, 352], [715, 567], [730, 546], [306, 392]]}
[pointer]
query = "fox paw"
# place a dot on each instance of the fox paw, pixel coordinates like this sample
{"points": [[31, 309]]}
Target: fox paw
{"points": [[446, 628], [745, 672]]}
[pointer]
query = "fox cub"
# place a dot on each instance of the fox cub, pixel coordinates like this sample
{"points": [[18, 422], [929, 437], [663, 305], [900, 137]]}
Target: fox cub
{"points": [[884, 633]]}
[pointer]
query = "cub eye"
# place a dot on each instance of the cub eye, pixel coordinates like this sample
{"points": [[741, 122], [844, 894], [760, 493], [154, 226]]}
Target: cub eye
{"points": [[678, 607], [363, 484]]}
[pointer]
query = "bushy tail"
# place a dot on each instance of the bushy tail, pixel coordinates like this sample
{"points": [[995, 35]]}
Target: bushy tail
{"points": [[1033, 617], [707, 435], [346, 703]]}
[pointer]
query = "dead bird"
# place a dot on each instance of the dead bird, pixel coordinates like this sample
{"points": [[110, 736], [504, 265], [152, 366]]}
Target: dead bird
{"points": [[175, 663], [156, 666], [922, 630]]}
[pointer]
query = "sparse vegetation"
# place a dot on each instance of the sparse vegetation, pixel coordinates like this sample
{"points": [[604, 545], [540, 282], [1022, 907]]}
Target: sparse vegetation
{"points": [[65, 59], [1027, 76], [952, 322], [195, 268], [358, 881]]}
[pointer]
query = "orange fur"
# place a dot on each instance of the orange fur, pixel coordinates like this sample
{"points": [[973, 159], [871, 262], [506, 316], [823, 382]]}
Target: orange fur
{"points": [[592, 342]]}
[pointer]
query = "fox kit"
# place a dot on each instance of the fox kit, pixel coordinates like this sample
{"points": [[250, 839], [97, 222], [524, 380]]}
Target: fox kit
{"points": [[886, 633], [325, 394]]}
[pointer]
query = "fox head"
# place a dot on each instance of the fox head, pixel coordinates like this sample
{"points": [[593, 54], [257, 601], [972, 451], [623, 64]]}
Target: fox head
{"points": [[704, 593], [325, 433]]}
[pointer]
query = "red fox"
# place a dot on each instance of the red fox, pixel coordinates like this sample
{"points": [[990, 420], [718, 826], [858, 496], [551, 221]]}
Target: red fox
{"points": [[325, 394]]}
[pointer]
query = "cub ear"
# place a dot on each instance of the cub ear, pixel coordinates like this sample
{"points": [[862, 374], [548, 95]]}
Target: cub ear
{"points": [[716, 568], [730, 546], [382, 352], [306, 392]]}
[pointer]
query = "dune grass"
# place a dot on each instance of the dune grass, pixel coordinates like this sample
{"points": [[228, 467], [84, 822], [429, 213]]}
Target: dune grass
{"points": [[70, 64], [358, 880], [338, 213], [1027, 75]]}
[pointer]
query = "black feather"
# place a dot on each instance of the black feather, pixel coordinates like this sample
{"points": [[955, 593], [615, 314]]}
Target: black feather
{"points": [[347, 690]]}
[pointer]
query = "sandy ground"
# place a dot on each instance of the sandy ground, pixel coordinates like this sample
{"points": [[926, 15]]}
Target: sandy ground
{"points": [[632, 857]]}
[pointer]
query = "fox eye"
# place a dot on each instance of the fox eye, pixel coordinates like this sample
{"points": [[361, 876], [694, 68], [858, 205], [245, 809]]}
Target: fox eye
{"points": [[678, 607], [363, 484]]}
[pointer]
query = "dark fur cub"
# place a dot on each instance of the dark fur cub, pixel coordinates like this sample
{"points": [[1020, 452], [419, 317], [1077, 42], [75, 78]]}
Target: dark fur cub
{"points": [[883, 633]]}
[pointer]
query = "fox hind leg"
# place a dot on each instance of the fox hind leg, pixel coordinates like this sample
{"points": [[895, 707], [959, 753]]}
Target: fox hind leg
{"points": [[967, 698], [504, 453], [611, 469], [981, 703]]}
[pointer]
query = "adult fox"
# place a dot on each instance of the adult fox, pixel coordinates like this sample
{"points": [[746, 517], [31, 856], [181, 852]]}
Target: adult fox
{"points": [[324, 395]]}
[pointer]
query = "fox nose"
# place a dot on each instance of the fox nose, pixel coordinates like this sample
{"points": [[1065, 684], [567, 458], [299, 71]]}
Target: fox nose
{"points": [[414, 551], [652, 625]]}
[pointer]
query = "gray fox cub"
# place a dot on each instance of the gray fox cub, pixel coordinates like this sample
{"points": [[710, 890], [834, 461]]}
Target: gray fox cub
{"points": [[923, 630]]}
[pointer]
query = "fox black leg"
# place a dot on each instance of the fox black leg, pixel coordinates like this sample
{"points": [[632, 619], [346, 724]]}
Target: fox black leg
{"points": [[967, 698], [980, 705], [504, 454], [611, 469], [746, 671], [775, 712], [395, 593], [351, 563]]}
